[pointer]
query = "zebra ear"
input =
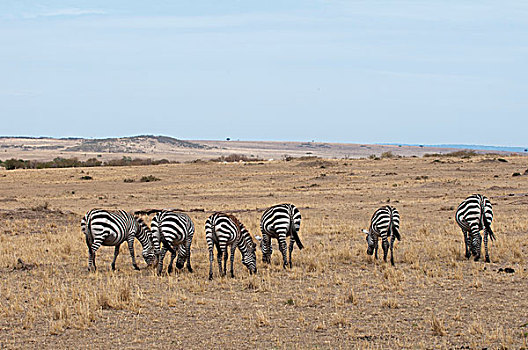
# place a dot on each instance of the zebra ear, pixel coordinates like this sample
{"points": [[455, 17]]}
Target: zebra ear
{"points": [[365, 231], [259, 238]]}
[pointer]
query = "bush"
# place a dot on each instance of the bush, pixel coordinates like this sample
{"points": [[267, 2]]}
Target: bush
{"points": [[236, 158], [387, 154], [461, 154], [150, 178]]}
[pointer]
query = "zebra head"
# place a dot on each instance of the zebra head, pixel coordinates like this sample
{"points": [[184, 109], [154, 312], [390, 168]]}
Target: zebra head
{"points": [[249, 258], [370, 242], [150, 254]]}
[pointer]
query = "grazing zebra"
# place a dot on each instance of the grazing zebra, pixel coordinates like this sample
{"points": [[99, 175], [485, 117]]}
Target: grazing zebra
{"points": [[473, 215], [385, 223], [224, 230], [111, 228], [174, 230], [280, 221]]}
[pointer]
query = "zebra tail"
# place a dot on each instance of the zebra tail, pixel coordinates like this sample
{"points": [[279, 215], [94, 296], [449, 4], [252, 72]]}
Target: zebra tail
{"points": [[392, 231], [295, 235], [88, 232], [487, 226]]}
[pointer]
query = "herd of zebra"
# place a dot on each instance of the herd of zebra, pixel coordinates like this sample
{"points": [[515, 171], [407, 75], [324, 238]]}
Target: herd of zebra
{"points": [[173, 231]]}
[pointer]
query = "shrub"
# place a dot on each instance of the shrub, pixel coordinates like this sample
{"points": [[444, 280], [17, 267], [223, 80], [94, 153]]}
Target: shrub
{"points": [[150, 178], [236, 158]]}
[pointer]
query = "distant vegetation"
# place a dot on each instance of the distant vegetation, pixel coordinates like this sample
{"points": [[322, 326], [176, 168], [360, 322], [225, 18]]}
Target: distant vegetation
{"points": [[460, 154], [236, 158], [58, 162]]}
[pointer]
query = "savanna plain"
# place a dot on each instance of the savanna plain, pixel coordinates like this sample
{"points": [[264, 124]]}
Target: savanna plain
{"points": [[335, 296]]}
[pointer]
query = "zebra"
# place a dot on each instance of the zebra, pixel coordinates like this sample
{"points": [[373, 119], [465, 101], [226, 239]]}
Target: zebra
{"points": [[280, 221], [174, 230], [472, 215], [111, 228], [385, 223], [224, 230]]}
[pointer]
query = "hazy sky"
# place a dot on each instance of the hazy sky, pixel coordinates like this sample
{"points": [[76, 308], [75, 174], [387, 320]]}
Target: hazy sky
{"points": [[342, 71]]}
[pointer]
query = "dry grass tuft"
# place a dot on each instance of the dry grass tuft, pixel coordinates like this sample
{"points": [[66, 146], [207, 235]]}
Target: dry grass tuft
{"points": [[437, 326]]}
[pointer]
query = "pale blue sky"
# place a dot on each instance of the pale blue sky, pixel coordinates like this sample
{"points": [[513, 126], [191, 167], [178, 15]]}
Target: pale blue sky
{"points": [[338, 71]]}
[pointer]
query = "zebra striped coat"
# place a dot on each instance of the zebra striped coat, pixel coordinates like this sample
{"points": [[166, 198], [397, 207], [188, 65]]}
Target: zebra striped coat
{"points": [[279, 222], [385, 223], [473, 215], [223, 230], [111, 228], [172, 230]]}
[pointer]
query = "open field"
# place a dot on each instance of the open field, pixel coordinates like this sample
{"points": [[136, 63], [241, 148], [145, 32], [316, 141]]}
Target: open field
{"points": [[162, 147], [334, 297]]}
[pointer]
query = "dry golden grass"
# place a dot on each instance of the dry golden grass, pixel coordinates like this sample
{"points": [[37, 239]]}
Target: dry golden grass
{"points": [[334, 297]]}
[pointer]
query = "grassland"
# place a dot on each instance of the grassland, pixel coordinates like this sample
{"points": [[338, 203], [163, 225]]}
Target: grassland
{"points": [[334, 297]]}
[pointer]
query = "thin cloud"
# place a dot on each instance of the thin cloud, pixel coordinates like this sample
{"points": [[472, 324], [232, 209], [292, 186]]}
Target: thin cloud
{"points": [[66, 12]]}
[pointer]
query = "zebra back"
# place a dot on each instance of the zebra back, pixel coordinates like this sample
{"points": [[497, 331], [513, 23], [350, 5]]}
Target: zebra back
{"points": [[169, 227], [285, 216], [475, 210], [386, 222]]}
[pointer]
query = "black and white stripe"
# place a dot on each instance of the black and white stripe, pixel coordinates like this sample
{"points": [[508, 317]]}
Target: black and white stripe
{"points": [[279, 222], [111, 228], [385, 223], [173, 231], [473, 215], [224, 230]]}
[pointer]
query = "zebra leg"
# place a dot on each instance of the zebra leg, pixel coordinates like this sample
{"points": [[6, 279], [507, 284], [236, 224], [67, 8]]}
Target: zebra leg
{"points": [[116, 253], [283, 249], [376, 249], [161, 257], [385, 246], [210, 262], [173, 256], [233, 249], [290, 249], [391, 250], [467, 242], [131, 248], [188, 249], [486, 245], [91, 255], [266, 248], [182, 256], [219, 258], [94, 246], [476, 241], [225, 260]]}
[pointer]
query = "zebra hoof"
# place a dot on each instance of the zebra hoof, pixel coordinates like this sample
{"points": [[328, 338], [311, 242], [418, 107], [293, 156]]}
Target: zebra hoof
{"points": [[136, 268], [477, 258], [210, 277], [488, 259], [169, 270], [190, 269]]}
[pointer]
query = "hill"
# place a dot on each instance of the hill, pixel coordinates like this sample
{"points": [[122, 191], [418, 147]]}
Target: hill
{"points": [[165, 147]]}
